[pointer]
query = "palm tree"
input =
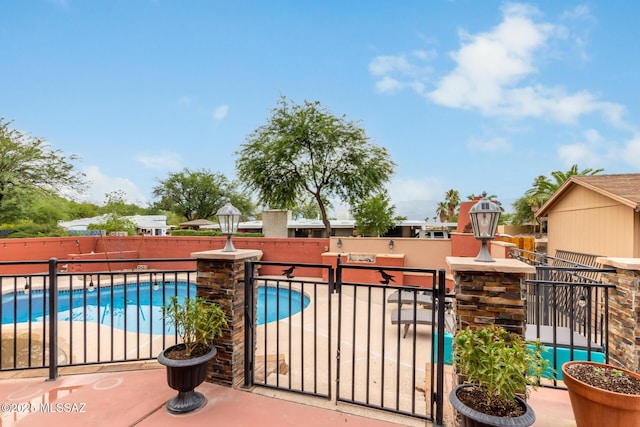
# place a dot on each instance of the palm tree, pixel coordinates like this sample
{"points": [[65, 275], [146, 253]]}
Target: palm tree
{"points": [[442, 211], [544, 187], [452, 200]]}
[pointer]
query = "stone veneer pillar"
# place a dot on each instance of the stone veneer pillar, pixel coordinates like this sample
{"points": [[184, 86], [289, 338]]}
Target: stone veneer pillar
{"points": [[624, 312], [490, 293], [220, 279]]}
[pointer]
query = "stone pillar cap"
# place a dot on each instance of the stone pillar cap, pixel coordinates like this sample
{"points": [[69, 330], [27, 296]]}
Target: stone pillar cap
{"points": [[622, 263], [239, 254], [501, 265]]}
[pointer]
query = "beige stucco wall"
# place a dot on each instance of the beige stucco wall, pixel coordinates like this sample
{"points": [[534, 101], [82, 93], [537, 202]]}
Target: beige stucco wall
{"points": [[274, 223], [419, 253], [585, 221]]}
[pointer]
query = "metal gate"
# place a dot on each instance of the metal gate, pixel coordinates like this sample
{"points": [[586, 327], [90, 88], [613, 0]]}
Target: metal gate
{"points": [[367, 342]]}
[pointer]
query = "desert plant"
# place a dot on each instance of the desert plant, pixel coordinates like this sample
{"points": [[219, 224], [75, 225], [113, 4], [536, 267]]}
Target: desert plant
{"points": [[499, 362], [196, 321]]}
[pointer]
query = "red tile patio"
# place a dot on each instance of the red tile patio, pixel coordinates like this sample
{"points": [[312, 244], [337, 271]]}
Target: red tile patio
{"points": [[137, 398]]}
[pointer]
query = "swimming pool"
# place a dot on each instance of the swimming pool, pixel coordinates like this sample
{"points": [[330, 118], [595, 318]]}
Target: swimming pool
{"points": [[134, 307]]}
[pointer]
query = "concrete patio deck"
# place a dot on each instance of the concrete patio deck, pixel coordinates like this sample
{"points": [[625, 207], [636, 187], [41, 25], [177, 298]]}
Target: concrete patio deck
{"points": [[109, 396]]}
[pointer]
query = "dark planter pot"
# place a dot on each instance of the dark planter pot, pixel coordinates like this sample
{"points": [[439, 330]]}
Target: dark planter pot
{"points": [[184, 376], [593, 406], [472, 418]]}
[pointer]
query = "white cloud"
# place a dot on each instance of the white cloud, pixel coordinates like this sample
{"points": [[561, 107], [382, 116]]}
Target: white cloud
{"points": [[631, 151], [221, 112], [163, 160], [496, 71], [581, 11], [385, 64], [489, 65], [579, 154], [593, 151], [402, 189], [100, 185], [394, 72], [388, 84], [593, 136], [492, 145]]}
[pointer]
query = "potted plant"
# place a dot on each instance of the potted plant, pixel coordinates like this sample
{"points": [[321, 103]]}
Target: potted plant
{"points": [[498, 366], [197, 324], [602, 394]]}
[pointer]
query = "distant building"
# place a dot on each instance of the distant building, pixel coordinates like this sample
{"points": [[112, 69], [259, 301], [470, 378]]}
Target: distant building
{"points": [[314, 228], [149, 225]]}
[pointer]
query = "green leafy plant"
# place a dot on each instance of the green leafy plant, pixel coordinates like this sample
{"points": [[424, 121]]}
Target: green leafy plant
{"points": [[196, 321], [498, 362]]}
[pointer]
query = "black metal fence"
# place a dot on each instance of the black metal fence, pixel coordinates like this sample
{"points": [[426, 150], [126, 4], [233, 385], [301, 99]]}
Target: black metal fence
{"points": [[97, 317], [289, 329], [567, 306], [351, 339]]}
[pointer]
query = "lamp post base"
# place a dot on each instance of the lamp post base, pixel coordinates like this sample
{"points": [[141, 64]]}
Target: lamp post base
{"points": [[229, 246], [484, 255]]}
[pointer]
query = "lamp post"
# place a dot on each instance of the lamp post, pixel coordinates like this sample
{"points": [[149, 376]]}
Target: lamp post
{"points": [[484, 219], [229, 219]]}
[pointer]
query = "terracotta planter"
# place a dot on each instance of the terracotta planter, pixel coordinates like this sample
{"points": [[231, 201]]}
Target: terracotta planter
{"points": [[184, 376], [596, 407], [472, 418]]}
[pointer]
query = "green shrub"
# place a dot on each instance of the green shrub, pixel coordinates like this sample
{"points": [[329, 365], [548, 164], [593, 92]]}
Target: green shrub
{"points": [[196, 321], [498, 361]]}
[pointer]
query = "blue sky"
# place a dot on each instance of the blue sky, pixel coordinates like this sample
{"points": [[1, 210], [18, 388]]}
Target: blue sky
{"points": [[471, 95]]}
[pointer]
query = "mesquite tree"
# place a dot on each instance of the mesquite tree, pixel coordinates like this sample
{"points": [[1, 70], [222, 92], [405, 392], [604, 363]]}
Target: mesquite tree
{"points": [[304, 149]]}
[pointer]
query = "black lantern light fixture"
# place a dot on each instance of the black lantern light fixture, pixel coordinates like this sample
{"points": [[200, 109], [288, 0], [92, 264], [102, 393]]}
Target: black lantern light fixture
{"points": [[484, 219], [229, 219], [340, 245], [391, 245]]}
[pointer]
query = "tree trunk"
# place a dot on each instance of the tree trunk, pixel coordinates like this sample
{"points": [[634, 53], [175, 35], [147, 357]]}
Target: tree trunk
{"points": [[323, 214]]}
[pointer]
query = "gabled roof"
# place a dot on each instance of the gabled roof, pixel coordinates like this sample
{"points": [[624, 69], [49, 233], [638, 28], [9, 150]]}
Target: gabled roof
{"points": [[624, 188]]}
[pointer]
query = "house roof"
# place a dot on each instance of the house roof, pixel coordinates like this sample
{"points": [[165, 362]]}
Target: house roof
{"points": [[624, 188], [141, 221], [196, 222], [336, 223]]}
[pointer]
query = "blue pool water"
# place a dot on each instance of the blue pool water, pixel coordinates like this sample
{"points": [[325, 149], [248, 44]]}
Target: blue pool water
{"points": [[134, 307], [267, 298]]}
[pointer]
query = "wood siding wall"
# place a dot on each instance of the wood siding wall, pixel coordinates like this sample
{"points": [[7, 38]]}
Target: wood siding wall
{"points": [[585, 221]]}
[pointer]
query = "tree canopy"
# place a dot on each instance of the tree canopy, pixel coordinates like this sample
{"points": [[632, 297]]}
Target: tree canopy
{"points": [[374, 216], [542, 189], [115, 219], [306, 149], [198, 194], [452, 199], [29, 164]]}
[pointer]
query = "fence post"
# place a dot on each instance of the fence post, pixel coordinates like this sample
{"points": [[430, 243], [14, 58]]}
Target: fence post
{"points": [[442, 283], [249, 312], [53, 319], [338, 282]]}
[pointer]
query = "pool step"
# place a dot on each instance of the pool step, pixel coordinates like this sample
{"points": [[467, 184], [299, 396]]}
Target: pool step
{"points": [[274, 364]]}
